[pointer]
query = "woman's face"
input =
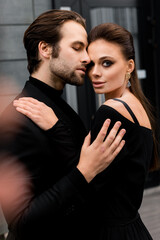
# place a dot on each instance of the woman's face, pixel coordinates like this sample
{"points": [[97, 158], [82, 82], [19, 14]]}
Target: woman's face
{"points": [[108, 68]]}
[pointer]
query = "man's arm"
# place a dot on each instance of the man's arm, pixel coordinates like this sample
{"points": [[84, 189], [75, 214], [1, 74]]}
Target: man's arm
{"points": [[57, 199], [95, 157]]}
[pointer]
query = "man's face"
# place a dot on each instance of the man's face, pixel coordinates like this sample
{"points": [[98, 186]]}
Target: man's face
{"points": [[70, 65]]}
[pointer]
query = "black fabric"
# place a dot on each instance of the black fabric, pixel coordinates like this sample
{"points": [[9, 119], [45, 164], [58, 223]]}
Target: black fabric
{"points": [[64, 205], [59, 189], [119, 189]]}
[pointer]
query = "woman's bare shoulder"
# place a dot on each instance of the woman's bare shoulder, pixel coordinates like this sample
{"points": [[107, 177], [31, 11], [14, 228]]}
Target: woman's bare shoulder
{"points": [[134, 105]]}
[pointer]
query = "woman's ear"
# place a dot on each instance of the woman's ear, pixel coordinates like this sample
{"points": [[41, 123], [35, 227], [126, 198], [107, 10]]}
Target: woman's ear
{"points": [[44, 49], [130, 66]]}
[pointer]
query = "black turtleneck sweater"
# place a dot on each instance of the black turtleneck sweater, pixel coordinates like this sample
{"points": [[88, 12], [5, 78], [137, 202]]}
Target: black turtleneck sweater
{"points": [[50, 157]]}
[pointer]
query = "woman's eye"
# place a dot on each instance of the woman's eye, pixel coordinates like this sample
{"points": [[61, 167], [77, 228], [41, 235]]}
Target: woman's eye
{"points": [[107, 63]]}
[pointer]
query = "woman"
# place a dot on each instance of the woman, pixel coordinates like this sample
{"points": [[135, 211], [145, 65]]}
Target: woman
{"points": [[117, 191], [113, 72]]}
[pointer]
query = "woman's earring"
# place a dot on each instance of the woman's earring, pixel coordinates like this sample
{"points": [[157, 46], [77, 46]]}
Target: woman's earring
{"points": [[129, 84], [128, 76]]}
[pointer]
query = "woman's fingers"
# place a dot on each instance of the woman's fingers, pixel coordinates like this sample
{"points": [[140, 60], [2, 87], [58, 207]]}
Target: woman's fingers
{"points": [[24, 105], [26, 108], [37, 111], [29, 99], [27, 103]]}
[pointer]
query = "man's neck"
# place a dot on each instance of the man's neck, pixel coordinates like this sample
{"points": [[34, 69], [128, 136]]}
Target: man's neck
{"points": [[54, 83]]}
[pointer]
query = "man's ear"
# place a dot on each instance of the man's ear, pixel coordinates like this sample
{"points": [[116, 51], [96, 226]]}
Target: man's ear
{"points": [[44, 49]]}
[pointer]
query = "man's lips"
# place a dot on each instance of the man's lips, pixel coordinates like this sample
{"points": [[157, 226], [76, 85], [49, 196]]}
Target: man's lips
{"points": [[82, 69]]}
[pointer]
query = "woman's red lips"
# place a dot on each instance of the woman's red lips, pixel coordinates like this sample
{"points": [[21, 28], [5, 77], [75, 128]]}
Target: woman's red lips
{"points": [[97, 84]]}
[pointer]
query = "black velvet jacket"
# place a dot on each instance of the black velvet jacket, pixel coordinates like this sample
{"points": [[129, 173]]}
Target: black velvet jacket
{"points": [[59, 189]]}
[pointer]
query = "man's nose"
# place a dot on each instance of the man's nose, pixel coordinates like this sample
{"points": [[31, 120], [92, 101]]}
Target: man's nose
{"points": [[86, 58]]}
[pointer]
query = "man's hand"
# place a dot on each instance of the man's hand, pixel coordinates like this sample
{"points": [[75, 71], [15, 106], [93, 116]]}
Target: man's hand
{"points": [[96, 157]]}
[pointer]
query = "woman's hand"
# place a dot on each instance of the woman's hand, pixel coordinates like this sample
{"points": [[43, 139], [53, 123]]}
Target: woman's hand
{"points": [[98, 156], [37, 111], [94, 158]]}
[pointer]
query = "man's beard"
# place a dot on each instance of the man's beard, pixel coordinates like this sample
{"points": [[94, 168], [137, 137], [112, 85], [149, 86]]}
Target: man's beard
{"points": [[73, 79], [68, 76]]}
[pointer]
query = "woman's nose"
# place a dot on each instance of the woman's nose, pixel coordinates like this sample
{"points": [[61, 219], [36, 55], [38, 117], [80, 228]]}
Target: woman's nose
{"points": [[96, 71]]}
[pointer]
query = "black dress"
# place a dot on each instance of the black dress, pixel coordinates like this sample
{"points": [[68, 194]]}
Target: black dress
{"points": [[119, 189]]}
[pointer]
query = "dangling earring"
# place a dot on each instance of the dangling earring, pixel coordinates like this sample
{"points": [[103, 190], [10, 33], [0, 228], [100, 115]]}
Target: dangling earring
{"points": [[128, 76], [128, 84]]}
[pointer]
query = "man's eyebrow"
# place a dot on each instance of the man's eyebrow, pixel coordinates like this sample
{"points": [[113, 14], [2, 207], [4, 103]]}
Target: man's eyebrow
{"points": [[79, 42]]}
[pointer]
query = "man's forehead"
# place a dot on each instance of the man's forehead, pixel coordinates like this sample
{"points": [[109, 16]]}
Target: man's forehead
{"points": [[74, 24], [74, 31]]}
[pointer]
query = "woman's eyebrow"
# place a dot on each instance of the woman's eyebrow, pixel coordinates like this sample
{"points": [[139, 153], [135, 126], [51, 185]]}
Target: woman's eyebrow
{"points": [[104, 57]]}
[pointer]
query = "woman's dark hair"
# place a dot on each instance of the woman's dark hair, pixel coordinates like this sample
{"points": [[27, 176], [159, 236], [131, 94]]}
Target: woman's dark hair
{"points": [[47, 28], [114, 33]]}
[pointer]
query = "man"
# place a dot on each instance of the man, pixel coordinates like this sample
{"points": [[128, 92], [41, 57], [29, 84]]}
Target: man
{"points": [[52, 204]]}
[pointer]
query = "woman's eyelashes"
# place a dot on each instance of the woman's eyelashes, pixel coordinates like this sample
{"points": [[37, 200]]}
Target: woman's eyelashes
{"points": [[107, 63], [104, 63]]}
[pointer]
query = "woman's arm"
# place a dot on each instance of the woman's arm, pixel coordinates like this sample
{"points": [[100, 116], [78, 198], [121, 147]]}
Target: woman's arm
{"points": [[94, 158]]}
